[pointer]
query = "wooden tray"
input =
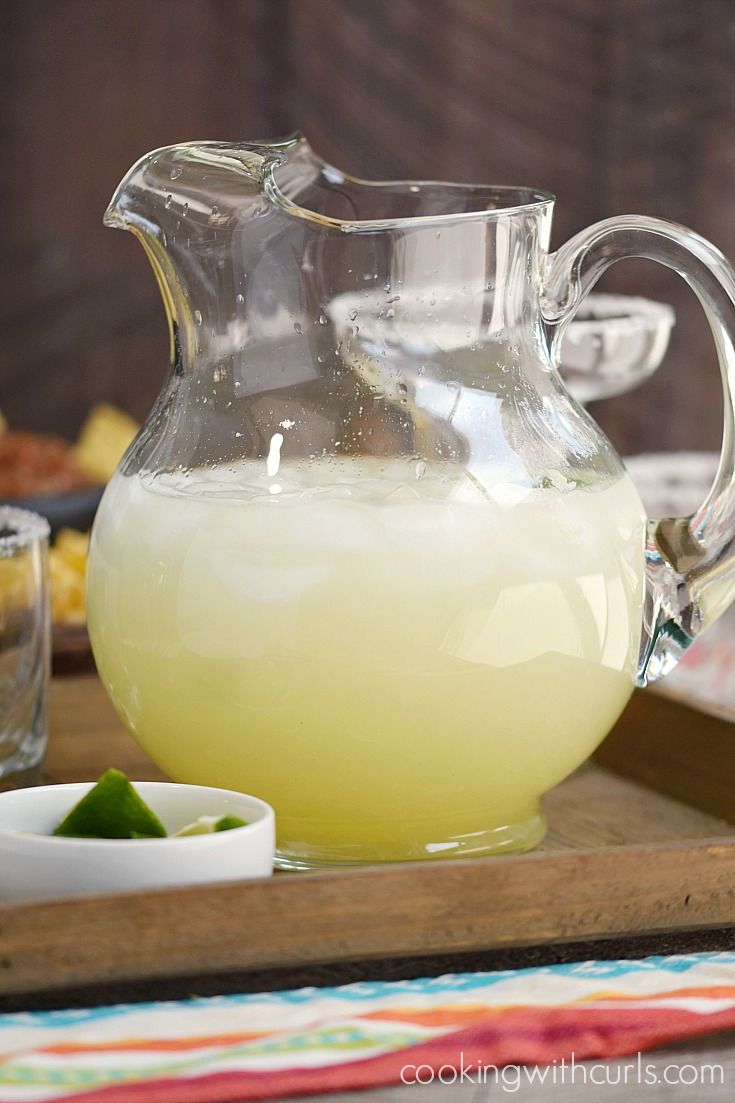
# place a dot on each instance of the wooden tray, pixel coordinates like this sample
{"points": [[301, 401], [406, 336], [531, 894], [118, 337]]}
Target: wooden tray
{"points": [[71, 652], [640, 841]]}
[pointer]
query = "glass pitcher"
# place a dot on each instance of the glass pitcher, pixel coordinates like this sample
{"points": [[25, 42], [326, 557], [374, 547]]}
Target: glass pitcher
{"points": [[367, 558]]}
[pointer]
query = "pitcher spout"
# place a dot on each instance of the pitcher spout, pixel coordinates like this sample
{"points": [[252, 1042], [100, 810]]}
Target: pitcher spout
{"points": [[189, 179], [185, 203]]}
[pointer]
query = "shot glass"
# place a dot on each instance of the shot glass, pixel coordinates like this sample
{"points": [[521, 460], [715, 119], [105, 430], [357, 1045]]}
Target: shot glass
{"points": [[25, 645]]}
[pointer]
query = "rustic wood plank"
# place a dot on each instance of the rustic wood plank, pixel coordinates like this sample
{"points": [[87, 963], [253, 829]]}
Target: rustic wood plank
{"points": [[596, 808], [672, 748], [81, 317]]}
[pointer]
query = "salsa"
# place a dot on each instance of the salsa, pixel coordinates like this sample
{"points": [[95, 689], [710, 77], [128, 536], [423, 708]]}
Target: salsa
{"points": [[36, 465]]}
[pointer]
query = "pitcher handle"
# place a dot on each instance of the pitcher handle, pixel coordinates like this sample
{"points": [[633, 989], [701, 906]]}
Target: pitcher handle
{"points": [[689, 561]]}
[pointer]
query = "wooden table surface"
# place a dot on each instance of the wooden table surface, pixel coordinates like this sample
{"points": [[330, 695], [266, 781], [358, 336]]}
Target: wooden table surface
{"points": [[76, 758]]}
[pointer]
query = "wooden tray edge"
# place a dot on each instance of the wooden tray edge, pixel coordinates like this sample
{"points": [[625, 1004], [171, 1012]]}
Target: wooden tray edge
{"points": [[447, 907]]}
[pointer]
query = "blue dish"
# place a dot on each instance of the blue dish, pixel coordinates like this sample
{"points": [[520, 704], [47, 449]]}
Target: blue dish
{"points": [[75, 510]]}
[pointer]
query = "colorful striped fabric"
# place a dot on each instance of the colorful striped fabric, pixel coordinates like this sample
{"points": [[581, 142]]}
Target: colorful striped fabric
{"points": [[229, 1049]]}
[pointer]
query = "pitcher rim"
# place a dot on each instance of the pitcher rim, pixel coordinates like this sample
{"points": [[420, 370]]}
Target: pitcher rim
{"points": [[526, 199], [539, 199]]}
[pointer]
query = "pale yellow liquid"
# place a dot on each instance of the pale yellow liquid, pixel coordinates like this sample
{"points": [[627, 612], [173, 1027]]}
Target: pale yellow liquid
{"points": [[401, 675]]}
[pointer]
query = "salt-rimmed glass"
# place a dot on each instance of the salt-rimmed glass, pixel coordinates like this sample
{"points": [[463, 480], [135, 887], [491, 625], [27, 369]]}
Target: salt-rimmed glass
{"points": [[24, 645]]}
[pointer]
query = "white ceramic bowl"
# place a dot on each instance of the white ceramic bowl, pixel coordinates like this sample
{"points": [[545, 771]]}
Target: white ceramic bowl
{"points": [[35, 865]]}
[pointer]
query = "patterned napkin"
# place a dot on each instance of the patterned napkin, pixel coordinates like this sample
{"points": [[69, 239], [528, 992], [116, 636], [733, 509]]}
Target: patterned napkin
{"points": [[229, 1049]]}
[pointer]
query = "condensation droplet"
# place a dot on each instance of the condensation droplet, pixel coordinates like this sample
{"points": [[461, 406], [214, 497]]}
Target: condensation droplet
{"points": [[176, 172], [297, 327], [197, 317], [185, 210], [322, 319], [167, 202], [239, 298]]}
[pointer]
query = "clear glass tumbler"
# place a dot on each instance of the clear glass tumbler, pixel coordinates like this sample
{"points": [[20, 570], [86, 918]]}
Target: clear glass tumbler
{"points": [[25, 651]]}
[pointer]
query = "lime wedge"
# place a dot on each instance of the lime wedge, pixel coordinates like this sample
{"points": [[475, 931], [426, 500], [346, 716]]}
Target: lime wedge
{"points": [[111, 810], [206, 825], [226, 823]]}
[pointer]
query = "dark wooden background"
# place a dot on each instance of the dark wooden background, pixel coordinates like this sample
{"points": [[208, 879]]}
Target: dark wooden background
{"points": [[616, 105]]}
